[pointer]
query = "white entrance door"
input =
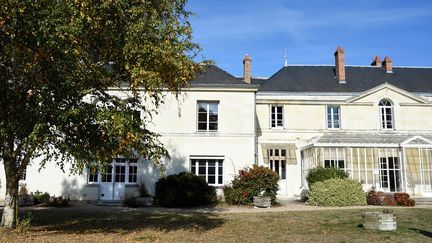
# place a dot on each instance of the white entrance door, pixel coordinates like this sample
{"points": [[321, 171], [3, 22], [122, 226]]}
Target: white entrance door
{"points": [[390, 174], [279, 166], [114, 178], [426, 171], [119, 180], [106, 184]]}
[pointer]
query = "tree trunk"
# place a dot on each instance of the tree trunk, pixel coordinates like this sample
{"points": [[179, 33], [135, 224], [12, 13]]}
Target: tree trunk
{"points": [[10, 210]]}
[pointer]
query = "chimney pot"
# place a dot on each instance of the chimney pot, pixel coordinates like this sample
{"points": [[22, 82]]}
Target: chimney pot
{"points": [[376, 61], [247, 69], [340, 64], [388, 64]]}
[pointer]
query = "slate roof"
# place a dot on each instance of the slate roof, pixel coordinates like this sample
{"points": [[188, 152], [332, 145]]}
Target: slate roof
{"points": [[213, 76], [358, 79]]}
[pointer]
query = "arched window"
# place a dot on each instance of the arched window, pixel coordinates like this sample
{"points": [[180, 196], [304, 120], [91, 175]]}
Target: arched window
{"points": [[386, 114]]}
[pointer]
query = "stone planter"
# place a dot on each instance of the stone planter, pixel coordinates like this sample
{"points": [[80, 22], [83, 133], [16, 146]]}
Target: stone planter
{"points": [[384, 221], [262, 202], [144, 201]]}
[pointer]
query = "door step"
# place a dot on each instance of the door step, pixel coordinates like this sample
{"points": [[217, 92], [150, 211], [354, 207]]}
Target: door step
{"points": [[108, 202], [423, 201]]}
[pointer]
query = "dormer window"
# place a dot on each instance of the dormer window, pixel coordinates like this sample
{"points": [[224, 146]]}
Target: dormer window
{"points": [[386, 114]]}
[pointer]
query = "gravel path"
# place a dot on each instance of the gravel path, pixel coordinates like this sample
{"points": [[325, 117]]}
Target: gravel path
{"points": [[283, 206]]}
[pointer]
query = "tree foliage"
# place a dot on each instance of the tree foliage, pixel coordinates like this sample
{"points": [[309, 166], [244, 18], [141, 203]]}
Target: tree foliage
{"points": [[59, 59]]}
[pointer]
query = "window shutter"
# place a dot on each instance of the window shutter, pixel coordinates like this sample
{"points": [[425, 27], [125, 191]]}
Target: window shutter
{"points": [[290, 152], [291, 157]]}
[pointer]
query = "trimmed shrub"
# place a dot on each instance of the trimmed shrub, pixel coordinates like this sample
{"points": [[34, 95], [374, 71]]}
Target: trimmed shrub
{"points": [[184, 190], [403, 199], [321, 174], [251, 182], [336, 192]]}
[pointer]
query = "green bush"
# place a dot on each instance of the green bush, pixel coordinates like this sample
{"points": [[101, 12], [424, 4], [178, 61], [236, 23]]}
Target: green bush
{"points": [[249, 183], [321, 174], [24, 223], [336, 192], [184, 190], [60, 202], [41, 197]]}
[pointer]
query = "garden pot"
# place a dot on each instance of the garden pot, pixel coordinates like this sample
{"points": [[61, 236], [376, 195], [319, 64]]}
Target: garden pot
{"points": [[262, 202]]}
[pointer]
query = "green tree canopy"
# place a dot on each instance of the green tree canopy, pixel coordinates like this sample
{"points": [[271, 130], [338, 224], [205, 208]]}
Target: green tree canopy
{"points": [[59, 58]]}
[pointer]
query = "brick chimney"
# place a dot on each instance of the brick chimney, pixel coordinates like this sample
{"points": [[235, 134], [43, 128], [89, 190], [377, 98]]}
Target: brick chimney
{"points": [[388, 64], [247, 69], [376, 61], [340, 64]]}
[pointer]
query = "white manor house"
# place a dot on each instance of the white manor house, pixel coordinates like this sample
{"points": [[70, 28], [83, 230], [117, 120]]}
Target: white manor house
{"points": [[374, 122]]}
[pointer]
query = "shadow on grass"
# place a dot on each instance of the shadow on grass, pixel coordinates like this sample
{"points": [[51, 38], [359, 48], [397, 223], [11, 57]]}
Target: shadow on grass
{"points": [[118, 220], [423, 232]]}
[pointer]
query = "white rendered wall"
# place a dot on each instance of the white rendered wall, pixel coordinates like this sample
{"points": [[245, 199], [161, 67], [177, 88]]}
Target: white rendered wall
{"points": [[305, 119], [176, 121]]}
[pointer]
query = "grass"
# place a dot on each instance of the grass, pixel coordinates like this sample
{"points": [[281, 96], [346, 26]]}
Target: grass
{"points": [[99, 224]]}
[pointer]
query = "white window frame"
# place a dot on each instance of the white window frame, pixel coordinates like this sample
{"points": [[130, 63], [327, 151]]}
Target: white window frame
{"points": [[197, 161], [330, 117], [97, 173], [120, 161], [278, 155], [207, 116], [132, 163], [276, 120], [333, 163], [384, 123]]}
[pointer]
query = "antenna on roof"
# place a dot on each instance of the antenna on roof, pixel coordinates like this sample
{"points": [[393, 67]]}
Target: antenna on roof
{"points": [[285, 58]]}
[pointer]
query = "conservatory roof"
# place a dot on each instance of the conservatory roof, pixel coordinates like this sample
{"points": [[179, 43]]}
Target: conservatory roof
{"points": [[373, 139]]}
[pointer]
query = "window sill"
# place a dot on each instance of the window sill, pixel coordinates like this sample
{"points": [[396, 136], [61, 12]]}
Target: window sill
{"points": [[92, 184], [277, 128], [207, 132]]}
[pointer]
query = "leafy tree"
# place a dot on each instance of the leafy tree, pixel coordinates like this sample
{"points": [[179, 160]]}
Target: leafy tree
{"points": [[58, 61]]}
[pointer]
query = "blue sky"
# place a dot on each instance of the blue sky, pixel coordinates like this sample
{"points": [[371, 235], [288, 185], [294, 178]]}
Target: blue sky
{"points": [[310, 31]]}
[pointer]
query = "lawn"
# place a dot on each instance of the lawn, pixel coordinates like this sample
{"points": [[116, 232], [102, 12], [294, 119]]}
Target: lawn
{"points": [[100, 224]]}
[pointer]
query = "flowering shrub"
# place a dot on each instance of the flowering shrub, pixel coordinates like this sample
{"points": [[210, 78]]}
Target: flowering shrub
{"points": [[249, 183], [403, 199], [389, 199]]}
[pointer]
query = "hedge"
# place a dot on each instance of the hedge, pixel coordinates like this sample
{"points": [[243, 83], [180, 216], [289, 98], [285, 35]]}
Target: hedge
{"points": [[336, 192]]}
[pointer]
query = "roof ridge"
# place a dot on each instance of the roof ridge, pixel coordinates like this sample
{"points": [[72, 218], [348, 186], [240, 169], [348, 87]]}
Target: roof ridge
{"points": [[367, 66]]}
